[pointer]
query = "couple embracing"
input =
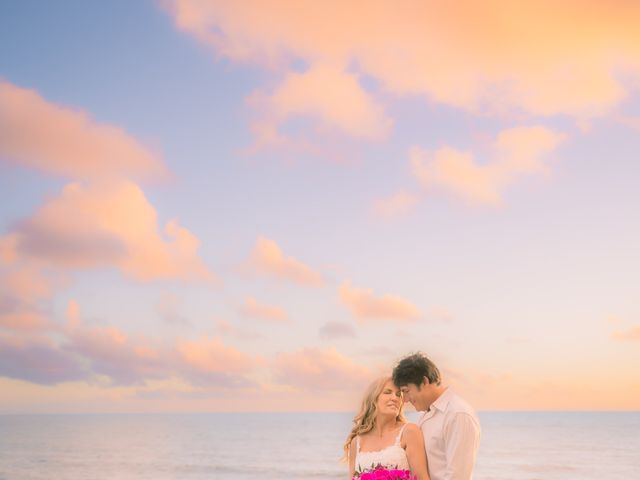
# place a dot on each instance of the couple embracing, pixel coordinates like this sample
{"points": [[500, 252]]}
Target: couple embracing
{"points": [[441, 446]]}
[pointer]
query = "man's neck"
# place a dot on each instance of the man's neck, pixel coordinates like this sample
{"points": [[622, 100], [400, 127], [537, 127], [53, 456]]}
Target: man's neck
{"points": [[437, 392]]}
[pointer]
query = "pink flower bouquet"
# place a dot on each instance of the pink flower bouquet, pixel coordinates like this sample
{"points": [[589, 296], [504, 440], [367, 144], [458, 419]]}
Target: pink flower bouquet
{"points": [[383, 473]]}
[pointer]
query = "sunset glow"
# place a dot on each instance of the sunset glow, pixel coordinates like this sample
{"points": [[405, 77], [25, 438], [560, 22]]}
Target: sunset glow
{"points": [[260, 205]]}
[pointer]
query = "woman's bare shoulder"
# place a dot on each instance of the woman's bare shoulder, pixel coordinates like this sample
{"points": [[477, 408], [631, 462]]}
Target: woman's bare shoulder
{"points": [[411, 427], [411, 430]]}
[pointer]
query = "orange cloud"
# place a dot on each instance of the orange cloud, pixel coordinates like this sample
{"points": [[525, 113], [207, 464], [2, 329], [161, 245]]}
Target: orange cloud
{"points": [[516, 152], [344, 106], [108, 224], [25, 283], [8, 249], [55, 139], [253, 309], [73, 315], [211, 355], [489, 56], [439, 314], [633, 334], [507, 391], [23, 320], [318, 369], [365, 306], [268, 258], [209, 361], [395, 205]]}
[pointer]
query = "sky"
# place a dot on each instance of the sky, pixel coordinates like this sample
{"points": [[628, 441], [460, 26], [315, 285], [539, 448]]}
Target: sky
{"points": [[263, 205]]}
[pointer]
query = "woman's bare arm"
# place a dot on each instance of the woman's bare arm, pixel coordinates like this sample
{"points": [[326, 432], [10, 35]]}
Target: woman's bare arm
{"points": [[414, 446]]}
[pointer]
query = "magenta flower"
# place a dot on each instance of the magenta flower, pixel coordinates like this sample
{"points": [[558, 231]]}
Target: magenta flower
{"points": [[381, 472]]}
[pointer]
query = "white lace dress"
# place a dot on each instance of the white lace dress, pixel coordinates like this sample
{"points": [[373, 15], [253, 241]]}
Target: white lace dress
{"points": [[393, 456]]}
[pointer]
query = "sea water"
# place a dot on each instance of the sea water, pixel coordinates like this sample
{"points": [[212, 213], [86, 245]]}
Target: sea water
{"points": [[282, 446]]}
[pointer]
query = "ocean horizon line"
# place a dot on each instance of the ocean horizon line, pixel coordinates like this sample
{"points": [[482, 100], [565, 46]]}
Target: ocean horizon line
{"points": [[298, 412]]}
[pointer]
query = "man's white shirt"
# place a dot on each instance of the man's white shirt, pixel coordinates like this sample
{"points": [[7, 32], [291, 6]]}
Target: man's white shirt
{"points": [[451, 433]]}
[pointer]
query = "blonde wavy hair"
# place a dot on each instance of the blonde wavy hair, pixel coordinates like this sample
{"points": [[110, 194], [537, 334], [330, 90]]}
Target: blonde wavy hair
{"points": [[365, 420]]}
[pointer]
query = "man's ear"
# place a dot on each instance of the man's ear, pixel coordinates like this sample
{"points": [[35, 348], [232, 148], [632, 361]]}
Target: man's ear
{"points": [[425, 381]]}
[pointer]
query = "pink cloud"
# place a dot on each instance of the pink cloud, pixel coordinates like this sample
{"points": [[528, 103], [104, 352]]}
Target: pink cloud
{"points": [[268, 258], [127, 359], [465, 55], [104, 220], [333, 330], [516, 152], [55, 139], [38, 360], [133, 360], [319, 369], [112, 352], [89, 353], [226, 328], [168, 308], [252, 309], [107, 224], [630, 122], [365, 306]]}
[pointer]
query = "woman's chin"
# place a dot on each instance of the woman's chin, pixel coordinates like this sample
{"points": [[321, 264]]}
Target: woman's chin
{"points": [[392, 412]]}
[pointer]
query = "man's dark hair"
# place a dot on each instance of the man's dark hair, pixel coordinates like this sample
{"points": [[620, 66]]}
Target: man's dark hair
{"points": [[413, 369]]}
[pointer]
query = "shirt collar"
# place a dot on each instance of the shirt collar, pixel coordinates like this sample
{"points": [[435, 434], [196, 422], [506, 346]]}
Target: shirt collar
{"points": [[442, 401], [440, 404]]}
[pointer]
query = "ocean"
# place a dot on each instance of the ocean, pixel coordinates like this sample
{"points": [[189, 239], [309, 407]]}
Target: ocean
{"points": [[282, 446]]}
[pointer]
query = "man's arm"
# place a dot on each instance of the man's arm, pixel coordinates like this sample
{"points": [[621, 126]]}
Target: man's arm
{"points": [[462, 439]]}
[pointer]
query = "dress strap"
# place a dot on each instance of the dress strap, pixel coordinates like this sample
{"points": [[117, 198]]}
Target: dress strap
{"points": [[358, 444], [399, 437]]}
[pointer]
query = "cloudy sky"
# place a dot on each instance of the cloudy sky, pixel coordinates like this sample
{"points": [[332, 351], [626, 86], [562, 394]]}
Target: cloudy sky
{"points": [[261, 205]]}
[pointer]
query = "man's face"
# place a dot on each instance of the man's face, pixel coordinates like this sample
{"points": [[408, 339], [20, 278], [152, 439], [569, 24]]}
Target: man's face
{"points": [[413, 394], [420, 396]]}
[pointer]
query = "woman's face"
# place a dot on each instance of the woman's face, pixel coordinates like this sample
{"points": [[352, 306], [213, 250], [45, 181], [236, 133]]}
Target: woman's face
{"points": [[390, 399]]}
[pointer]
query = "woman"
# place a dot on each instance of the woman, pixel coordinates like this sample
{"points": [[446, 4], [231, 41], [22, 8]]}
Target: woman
{"points": [[381, 434]]}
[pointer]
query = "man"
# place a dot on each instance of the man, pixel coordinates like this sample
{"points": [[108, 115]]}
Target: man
{"points": [[449, 425]]}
